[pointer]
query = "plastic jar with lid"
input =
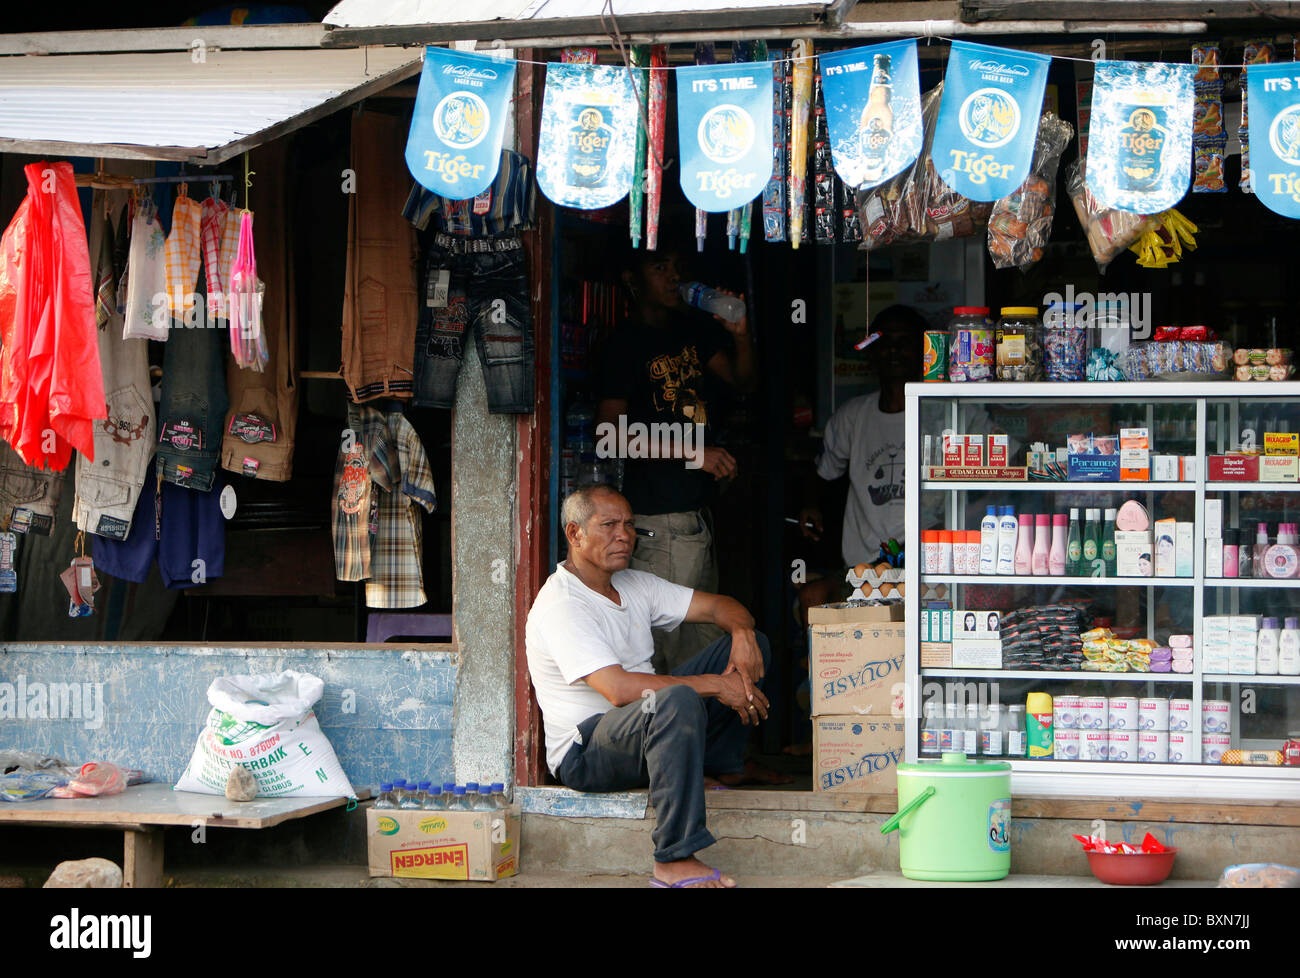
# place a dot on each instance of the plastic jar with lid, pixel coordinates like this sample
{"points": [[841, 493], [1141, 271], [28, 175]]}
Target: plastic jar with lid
{"points": [[1019, 340], [1065, 342], [970, 344]]}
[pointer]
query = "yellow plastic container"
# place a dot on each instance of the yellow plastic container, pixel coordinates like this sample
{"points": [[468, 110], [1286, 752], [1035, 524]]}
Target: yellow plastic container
{"points": [[1038, 725]]}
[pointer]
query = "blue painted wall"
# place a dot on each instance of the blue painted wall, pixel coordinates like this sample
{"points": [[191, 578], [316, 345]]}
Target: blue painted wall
{"points": [[154, 702]]}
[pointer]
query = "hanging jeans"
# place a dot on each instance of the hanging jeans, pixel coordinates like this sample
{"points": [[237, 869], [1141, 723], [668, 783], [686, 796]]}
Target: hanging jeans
{"points": [[479, 284], [194, 402]]}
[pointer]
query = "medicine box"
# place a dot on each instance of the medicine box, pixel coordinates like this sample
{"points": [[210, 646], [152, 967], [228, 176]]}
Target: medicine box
{"points": [[1134, 438], [1232, 468], [1213, 558], [1164, 468], [976, 653], [1281, 443], [1214, 519], [1279, 468], [1134, 465]]}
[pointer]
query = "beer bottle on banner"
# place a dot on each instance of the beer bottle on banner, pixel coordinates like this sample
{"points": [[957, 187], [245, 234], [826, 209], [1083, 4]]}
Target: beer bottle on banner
{"points": [[589, 140], [877, 124], [1141, 147]]}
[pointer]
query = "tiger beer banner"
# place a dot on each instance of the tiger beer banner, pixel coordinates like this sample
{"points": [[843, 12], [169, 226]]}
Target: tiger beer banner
{"points": [[873, 111], [454, 144], [588, 135], [1274, 122], [988, 120], [724, 129], [1140, 144]]}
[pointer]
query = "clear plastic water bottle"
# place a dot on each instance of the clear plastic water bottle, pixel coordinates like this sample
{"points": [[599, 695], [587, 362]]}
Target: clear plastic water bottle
{"points": [[458, 801], [448, 794], [499, 796], [711, 300], [433, 798], [399, 791], [386, 798], [415, 799], [484, 802]]}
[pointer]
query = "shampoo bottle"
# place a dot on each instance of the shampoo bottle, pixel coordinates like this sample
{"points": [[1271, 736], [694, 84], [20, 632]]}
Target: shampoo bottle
{"points": [[1288, 649], [1042, 544], [1091, 544], [1056, 555], [1266, 649], [1074, 546], [1025, 544], [1108, 544]]}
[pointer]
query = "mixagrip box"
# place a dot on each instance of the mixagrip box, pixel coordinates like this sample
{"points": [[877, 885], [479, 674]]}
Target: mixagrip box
{"points": [[443, 845], [857, 754], [856, 667]]}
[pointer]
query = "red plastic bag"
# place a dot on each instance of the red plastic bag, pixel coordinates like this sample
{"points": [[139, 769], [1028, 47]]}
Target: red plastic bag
{"points": [[96, 778]]}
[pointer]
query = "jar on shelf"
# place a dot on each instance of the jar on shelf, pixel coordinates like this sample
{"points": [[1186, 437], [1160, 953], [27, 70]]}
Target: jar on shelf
{"points": [[970, 344], [1065, 343], [1019, 338]]}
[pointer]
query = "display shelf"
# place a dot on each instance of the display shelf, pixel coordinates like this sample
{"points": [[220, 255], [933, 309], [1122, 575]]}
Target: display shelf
{"points": [[1252, 487], [1252, 582], [940, 485], [1156, 677], [1047, 581], [1213, 412], [1256, 680]]}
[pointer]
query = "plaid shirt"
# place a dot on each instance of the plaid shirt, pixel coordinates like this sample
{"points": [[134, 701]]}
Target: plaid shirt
{"points": [[363, 459], [182, 253], [505, 206], [397, 579], [210, 234]]}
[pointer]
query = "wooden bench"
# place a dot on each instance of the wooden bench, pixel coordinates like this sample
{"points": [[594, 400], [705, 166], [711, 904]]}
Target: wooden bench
{"points": [[142, 811]]}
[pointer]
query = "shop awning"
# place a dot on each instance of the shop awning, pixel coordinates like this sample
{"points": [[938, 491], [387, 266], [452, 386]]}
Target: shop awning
{"points": [[202, 106], [434, 21]]}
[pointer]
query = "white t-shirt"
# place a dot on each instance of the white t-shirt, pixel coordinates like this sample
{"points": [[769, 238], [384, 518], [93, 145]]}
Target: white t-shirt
{"points": [[870, 446], [572, 631]]}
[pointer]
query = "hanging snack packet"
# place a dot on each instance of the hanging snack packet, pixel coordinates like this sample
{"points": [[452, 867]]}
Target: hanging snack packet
{"points": [[1209, 140], [917, 205], [1021, 223], [1109, 231]]}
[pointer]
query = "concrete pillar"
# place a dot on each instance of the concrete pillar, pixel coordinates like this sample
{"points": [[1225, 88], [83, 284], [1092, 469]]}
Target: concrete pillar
{"points": [[483, 560]]}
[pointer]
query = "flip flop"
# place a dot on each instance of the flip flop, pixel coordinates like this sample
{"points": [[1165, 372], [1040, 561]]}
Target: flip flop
{"points": [[690, 881]]}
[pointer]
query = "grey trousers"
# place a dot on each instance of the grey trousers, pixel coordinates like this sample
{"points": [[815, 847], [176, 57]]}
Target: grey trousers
{"points": [[666, 742], [680, 551]]}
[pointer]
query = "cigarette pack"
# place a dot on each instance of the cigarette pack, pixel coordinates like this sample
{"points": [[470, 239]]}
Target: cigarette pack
{"points": [[997, 451], [973, 452]]}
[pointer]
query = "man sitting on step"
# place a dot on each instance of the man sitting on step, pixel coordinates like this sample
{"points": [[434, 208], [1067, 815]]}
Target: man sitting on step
{"points": [[611, 723]]}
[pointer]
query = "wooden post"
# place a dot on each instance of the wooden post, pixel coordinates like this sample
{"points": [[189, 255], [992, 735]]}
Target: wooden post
{"points": [[142, 858]]}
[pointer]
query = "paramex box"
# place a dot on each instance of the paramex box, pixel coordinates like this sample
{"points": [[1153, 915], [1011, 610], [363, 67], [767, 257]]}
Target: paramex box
{"points": [[443, 845]]}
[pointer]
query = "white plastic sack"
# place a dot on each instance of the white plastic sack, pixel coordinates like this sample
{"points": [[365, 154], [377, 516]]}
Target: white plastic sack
{"points": [[266, 724]]}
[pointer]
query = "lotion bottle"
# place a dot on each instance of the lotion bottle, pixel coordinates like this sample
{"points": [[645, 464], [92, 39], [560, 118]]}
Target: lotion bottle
{"points": [[1042, 544], [989, 541], [1288, 649], [1025, 544], [1266, 649], [1007, 541]]}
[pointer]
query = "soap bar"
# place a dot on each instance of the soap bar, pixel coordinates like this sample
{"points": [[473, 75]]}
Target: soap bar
{"points": [[1180, 641], [1132, 516]]}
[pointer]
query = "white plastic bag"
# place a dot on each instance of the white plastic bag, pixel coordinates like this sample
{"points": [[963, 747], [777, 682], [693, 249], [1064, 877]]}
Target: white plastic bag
{"points": [[266, 724]]}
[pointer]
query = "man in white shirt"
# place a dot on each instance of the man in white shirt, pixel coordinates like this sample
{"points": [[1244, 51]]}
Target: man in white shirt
{"points": [[613, 724]]}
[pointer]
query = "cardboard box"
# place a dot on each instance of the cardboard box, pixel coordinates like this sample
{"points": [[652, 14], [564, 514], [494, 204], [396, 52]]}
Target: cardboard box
{"points": [[857, 754], [1164, 468], [443, 845], [1281, 443], [954, 447], [1214, 519], [1134, 465], [849, 611], [936, 655], [1184, 552], [1165, 547], [998, 446], [1187, 468], [976, 653], [1133, 556], [1279, 468], [1092, 468], [1232, 468], [973, 452], [856, 668], [1134, 438]]}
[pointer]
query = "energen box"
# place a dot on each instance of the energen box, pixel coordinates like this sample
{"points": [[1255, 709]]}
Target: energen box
{"points": [[443, 845]]}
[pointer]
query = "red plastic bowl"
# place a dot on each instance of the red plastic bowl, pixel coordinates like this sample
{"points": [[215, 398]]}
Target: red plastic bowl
{"points": [[1132, 869]]}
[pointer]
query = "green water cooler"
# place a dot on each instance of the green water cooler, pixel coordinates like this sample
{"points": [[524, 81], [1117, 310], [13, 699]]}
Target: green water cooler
{"points": [[954, 819]]}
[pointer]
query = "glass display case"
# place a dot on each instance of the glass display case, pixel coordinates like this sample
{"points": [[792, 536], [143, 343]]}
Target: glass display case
{"points": [[1127, 616]]}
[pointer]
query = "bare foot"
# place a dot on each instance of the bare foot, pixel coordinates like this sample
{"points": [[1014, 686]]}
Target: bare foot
{"points": [[754, 774], [691, 868]]}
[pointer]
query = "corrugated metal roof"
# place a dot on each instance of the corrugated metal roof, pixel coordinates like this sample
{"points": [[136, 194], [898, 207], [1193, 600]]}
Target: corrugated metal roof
{"points": [[388, 13], [165, 105]]}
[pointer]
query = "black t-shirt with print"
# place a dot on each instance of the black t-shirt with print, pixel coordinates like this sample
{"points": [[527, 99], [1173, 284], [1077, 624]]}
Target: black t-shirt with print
{"points": [[661, 372]]}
